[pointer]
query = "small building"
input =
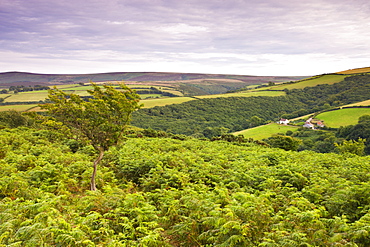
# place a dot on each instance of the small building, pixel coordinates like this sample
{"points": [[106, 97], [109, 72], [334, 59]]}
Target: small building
{"points": [[309, 125], [320, 124], [284, 121]]}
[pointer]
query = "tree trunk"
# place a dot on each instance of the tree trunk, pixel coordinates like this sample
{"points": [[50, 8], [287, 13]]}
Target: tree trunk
{"points": [[96, 162]]}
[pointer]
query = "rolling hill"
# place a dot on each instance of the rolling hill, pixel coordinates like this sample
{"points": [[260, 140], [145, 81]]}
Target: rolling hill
{"points": [[23, 78], [163, 189], [355, 71]]}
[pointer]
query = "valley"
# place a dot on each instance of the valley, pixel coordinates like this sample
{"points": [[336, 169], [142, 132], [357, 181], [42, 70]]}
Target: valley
{"points": [[199, 170]]}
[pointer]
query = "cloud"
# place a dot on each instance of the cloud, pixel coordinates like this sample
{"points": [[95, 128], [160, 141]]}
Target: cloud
{"points": [[238, 36]]}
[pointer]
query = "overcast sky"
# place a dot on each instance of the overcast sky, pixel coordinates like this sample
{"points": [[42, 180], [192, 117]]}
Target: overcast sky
{"points": [[246, 37]]}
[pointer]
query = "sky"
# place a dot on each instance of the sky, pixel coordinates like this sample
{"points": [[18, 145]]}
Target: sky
{"points": [[243, 37]]}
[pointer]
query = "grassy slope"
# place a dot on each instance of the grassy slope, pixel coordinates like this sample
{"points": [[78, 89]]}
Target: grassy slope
{"points": [[355, 71], [265, 131], [16, 107], [332, 119], [243, 94], [27, 96], [343, 117], [310, 82], [148, 103]]}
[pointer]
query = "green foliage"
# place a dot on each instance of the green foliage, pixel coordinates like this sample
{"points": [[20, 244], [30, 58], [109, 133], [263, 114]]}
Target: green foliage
{"points": [[283, 142], [14, 119], [101, 120], [352, 147], [358, 131], [173, 192]]}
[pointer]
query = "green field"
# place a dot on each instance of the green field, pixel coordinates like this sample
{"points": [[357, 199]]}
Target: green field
{"points": [[16, 107], [27, 96], [80, 88], [148, 103], [64, 86], [342, 117], [265, 131], [309, 82], [146, 96], [243, 94], [355, 71]]}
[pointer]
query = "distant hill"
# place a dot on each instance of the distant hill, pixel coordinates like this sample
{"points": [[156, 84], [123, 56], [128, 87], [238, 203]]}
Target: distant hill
{"points": [[23, 78]]}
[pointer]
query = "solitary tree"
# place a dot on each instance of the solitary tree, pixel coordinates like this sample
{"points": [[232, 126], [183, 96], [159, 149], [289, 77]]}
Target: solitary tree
{"points": [[100, 120]]}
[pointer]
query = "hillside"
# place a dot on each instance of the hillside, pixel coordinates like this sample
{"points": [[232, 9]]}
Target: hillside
{"points": [[355, 71], [234, 113], [343, 117], [265, 131], [22, 78], [168, 192]]}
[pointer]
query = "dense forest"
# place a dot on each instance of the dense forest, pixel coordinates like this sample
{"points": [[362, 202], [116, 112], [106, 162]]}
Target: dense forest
{"points": [[205, 117], [172, 192]]}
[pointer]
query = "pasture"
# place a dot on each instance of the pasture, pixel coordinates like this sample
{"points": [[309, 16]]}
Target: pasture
{"points": [[149, 103], [265, 131], [243, 94], [27, 96], [355, 71], [309, 82], [342, 117], [16, 107]]}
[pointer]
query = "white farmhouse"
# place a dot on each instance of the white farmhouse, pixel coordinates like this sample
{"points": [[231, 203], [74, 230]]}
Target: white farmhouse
{"points": [[284, 121]]}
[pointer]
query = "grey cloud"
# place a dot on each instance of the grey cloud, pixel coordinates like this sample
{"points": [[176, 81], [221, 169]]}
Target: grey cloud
{"points": [[60, 28]]}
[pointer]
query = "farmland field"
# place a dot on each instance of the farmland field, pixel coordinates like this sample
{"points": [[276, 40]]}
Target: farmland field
{"points": [[243, 94], [324, 79], [146, 96], [343, 117], [67, 86], [148, 103], [362, 103], [16, 107], [355, 71], [265, 131], [27, 96]]}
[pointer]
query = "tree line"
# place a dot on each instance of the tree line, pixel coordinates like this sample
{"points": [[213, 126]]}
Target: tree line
{"points": [[22, 88]]}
